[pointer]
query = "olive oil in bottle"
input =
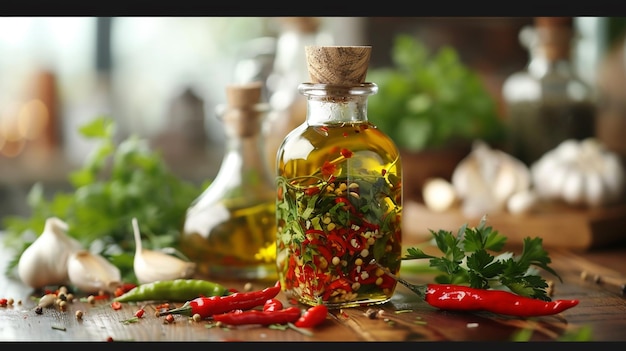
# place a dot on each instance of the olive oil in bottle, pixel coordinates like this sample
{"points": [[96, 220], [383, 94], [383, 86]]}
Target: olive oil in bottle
{"points": [[339, 190], [229, 230]]}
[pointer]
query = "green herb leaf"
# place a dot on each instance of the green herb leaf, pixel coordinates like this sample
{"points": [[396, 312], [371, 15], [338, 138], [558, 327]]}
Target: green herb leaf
{"points": [[468, 260]]}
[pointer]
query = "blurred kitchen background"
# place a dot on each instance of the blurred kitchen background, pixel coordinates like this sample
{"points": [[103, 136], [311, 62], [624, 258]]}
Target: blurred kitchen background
{"points": [[163, 77]]}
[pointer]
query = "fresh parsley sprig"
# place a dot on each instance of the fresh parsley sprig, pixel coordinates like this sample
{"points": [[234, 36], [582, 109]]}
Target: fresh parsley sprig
{"points": [[467, 259]]}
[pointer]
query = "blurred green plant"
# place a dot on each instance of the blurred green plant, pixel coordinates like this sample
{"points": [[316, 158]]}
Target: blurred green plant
{"points": [[431, 101], [116, 183]]}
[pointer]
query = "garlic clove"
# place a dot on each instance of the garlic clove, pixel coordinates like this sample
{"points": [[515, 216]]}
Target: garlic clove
{"points": [[522, 202], [44, 262], [92, 273], [613, 177], [150, 266], [594, 189], [438, 194], [573, 191]]}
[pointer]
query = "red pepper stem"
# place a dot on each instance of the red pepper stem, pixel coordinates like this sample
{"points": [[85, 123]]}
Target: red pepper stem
{"points": [[420, 290], [185, 310]]}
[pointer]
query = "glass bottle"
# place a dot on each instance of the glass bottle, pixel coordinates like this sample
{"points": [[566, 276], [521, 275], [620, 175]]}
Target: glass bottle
{"points": [[547, 102], [339, 190], [229, 230]]}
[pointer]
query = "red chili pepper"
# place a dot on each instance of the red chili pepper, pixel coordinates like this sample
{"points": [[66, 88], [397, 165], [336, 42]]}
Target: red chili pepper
{"points": [[463, 298], [212, 305], [284, 316], [116, 305], [328, 169], [311, 191], [346, 153], [312, 317], [272, 305]]}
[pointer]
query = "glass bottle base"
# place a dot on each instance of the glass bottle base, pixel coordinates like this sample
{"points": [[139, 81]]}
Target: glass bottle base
{"points": [[345, 304]]}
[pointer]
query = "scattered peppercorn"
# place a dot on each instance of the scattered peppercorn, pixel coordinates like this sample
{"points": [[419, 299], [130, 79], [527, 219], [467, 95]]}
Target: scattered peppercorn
{"points": [[371, 313], [79, 314], [39, 310]]}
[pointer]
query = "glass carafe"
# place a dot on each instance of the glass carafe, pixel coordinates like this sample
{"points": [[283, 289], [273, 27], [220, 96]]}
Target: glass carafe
{"points": [[229, 230]]}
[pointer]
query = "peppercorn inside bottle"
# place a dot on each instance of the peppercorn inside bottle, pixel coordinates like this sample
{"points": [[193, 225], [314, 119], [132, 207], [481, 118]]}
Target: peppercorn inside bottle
{"points": [[339, 200]]}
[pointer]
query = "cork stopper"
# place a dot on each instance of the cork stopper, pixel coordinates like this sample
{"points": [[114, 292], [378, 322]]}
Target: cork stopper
{"points": [[244, 111], [553, 21], [307, 25], [243, 95], [338, 65], [555, 35]]}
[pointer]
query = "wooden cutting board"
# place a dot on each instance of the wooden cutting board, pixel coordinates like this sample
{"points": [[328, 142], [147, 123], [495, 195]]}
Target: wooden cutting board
{"points": [[559, 226]]}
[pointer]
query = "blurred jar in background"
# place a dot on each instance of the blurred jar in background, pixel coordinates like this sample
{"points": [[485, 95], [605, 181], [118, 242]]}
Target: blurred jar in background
{"points": [[611, 85], [288, 106], [31, 124], [547, 102]]}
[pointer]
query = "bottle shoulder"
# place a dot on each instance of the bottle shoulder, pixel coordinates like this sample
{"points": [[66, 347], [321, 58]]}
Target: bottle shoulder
{"points": [[361, 138], [559, 85]]}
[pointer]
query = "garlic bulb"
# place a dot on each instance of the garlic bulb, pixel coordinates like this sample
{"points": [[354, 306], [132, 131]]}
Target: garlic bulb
{"points": [[44, 262], [486, 179], [92, 273], [582, 173], [150, 265]]}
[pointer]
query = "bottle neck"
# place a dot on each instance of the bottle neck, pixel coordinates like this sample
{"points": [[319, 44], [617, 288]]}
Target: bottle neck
{"points": [[333, 104], [243, 128], [549, 48]]}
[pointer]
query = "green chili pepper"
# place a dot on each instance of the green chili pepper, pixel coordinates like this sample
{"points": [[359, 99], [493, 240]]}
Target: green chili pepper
{"points": [[173, 290]]}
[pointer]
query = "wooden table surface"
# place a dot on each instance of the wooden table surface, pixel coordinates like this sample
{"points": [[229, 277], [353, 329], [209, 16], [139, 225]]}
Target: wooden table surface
{"points": [[602, 308]]}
